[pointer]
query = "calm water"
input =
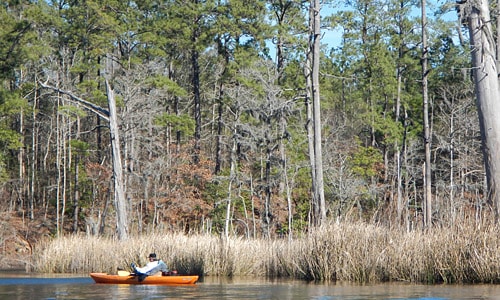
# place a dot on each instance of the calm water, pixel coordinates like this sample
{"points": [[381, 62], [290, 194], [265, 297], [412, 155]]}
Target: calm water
{"points": [[23, 286]]}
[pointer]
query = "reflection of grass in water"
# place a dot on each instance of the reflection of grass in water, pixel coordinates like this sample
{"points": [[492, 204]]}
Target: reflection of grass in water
{"points": [[346, 252], [188, 264], [42, 280]]}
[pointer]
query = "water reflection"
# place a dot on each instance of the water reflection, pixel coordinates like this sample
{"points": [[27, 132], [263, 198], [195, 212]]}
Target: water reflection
{"points": [[43, 286]]}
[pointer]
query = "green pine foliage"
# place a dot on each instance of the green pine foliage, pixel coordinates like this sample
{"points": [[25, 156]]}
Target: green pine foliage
{"points": [[183, 123], [366, 162]]}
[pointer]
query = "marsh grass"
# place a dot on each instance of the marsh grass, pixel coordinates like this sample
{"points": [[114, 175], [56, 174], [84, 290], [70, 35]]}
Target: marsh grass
{"points": [[345, 252]]}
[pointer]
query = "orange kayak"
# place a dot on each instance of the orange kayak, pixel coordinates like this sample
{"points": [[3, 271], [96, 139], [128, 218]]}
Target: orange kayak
{"points": [[131, 279]]}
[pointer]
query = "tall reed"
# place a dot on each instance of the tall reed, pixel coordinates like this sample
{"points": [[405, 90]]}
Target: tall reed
{"points": [[339, 252]]}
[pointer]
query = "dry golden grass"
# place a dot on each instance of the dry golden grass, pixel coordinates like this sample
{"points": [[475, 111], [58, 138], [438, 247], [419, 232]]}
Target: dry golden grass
{"points": [[345, 252]]}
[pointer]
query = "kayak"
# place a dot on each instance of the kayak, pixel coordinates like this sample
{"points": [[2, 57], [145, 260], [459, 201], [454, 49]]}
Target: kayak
{"points": [[132, 279]]}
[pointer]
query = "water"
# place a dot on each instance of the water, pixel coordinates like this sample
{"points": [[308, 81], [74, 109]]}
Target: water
{"points": [[49, 286]]}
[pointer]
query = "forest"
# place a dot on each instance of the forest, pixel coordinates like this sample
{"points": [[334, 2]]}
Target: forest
{"points": [[130, 117]]}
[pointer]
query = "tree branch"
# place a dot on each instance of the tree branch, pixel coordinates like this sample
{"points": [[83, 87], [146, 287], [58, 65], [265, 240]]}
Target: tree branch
{"points": [[101, 112]]}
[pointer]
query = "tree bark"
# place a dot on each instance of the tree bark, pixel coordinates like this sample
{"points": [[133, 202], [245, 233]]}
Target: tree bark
{"points": [[120, 201], [427, 131], [397, 112], [310, 136], [76, 192], [33, 165], [220, 126], [195, 80], [487, 93], [316, 37], [232, 178], [498, 34]]}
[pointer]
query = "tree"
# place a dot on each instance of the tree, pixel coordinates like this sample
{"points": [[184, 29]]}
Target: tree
{"points": [[427, 129], [476, 15], [314, 135]]}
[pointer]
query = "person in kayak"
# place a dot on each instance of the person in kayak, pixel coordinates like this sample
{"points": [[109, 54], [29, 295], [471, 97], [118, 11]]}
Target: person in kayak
{"points": [[152, 267]]}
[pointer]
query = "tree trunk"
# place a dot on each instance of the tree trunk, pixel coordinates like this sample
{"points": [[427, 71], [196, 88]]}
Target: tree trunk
{"points": [[498, 35], [34, 151], [76, 193], [220, 126], [487, 93], [120, 201], [452, 162], [268, 216], [22, 165], [310, 136], [397, 152], [232, 178], [427, 131], [59, 165], [288, 198], [318, 160], [196, 94]]}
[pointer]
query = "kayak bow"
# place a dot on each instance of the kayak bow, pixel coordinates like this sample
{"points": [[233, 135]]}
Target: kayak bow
{"points": [[131, 279]]}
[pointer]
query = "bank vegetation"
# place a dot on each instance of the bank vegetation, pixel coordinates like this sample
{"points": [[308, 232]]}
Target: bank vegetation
{"points": [[355, 252]]}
